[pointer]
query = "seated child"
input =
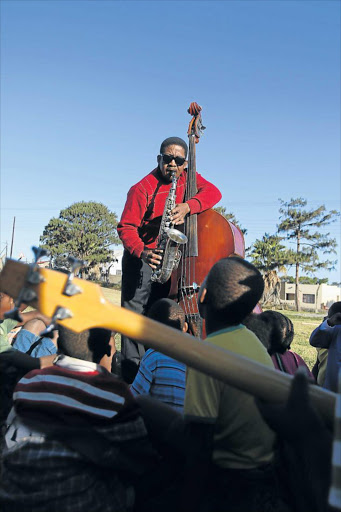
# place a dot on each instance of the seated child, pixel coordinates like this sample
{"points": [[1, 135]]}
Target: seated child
{"points": [[160, 376], [276, 332], [75, 440], [27, 339], [229, 440]]}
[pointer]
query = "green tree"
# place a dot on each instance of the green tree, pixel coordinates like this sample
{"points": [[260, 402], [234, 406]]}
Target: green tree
{"points": [[305, 280], [270, 256], [299, 225], [85, 230], [230, 217]]}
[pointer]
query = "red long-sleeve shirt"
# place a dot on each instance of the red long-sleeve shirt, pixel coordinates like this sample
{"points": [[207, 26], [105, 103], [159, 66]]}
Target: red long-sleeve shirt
{"points": [[140, 221]]}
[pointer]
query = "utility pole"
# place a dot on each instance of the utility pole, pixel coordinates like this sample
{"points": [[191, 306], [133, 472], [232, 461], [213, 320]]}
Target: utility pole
{"points": [[12, 238]]}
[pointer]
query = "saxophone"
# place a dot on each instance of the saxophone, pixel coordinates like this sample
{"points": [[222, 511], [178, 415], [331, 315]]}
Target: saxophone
{"points": [[169, 240]]}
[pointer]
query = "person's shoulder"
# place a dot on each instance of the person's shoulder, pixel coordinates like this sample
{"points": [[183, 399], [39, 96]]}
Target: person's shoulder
{"points": [[164, 361], [150, 356], [84, 381], [7, 325], [242, 341], [147, 183]]}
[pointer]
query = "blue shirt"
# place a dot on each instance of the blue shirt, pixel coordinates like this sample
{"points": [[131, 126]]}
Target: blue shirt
{"points": [[162, 378]]}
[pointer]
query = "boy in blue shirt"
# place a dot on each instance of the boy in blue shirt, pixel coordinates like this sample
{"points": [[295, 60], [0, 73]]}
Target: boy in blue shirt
{"points": [[160, 376]]}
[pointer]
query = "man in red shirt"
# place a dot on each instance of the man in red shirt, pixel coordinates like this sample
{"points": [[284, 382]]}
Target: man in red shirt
{"points": [[139, 228]]}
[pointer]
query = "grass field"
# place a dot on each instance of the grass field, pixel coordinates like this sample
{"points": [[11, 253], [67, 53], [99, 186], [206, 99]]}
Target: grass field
{"points": [[304, 324]]}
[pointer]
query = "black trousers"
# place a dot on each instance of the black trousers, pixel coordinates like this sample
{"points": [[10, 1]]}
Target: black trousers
{"points": [[138, 294]]}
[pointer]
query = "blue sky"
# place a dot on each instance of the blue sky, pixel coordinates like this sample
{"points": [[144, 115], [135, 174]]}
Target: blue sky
{"points": [[90, 89]]}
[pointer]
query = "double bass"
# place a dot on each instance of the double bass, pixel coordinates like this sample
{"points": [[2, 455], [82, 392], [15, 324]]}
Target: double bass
{"points": [[210, 238]]}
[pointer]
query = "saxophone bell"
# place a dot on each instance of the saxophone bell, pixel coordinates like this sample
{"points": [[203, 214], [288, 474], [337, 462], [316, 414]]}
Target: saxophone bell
{"points": [[177, 236]]}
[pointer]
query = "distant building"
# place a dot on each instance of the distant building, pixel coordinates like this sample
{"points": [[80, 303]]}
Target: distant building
{"points": [[112, 271], [310, 296], [44, 263]]}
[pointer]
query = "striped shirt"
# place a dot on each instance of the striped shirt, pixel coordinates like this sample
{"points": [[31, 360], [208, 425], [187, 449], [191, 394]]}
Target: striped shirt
{"points": [[84, 392], [66, 441], [162, 378]]}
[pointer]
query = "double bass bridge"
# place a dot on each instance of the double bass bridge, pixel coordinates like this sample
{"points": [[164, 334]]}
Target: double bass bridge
{"points": [[189, 291]]}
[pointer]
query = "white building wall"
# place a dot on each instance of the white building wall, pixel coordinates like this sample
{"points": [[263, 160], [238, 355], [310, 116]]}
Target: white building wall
{"points": [[116, 267], [311, 296], [329, 294]]}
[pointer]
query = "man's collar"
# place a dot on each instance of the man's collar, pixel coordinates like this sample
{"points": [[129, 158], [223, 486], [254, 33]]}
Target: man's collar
{"points": [[77, 365]]}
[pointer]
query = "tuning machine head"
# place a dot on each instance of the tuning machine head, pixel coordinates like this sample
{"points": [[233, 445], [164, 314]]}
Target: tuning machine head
{"points": [[71, 288], [33, 276], [39, 252], [26, 294], [59, 314]]}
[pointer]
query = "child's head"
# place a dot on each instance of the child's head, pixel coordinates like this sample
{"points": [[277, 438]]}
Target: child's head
{"points": [[255, 324], [90, 345], [274, 330], [334, 308], [168, 312], [6, 304], [230, 291], [280, 331]]}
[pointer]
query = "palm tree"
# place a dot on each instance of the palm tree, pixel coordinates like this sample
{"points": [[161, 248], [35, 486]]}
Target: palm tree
{"points": [[270, 256]]}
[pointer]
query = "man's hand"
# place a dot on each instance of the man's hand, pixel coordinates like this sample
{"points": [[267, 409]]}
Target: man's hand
{"points": [[152, 257], [334, 320], [179, 213]]}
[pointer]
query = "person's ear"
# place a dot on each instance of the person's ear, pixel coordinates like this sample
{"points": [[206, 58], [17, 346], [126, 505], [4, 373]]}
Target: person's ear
{"points": [[203, 293], [158, 159], [202, 303], [185, 327]]}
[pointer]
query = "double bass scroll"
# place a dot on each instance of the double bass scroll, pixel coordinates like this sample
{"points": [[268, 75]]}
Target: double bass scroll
{"points": [[194, 132]]}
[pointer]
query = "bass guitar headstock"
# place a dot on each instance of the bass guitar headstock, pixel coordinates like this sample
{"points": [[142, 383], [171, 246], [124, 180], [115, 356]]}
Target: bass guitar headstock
{"points": [[78, 303]]}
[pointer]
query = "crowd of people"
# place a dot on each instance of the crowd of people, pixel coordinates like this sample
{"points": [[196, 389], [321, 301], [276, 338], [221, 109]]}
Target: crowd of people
{"points": [[85, 428], [77, 436]]}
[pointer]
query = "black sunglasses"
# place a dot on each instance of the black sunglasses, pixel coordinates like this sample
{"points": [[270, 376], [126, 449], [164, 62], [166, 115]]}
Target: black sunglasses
{"points": [[179, 160]]}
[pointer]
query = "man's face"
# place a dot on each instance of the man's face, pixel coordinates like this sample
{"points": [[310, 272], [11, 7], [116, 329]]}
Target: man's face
{"points": [[168, 165]]}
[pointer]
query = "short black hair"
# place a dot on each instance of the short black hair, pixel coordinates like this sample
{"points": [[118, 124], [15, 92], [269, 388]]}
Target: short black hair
{"points": [[167, 312], [234, 286], [334, 308], [255, 324], [280, 331], [174, 141], [90, 345]]}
